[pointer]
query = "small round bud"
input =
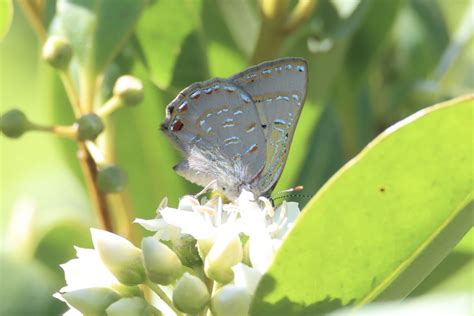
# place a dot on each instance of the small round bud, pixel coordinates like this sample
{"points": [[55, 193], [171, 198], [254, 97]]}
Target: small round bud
{"points": [[111, 179], [90, 126], [162, 265], [120, 256], [91, 301], [132, 306], [190, 294], [185, 248], [57, 52], [224, 254], [231, 300], [129, 90], [14, 123]]}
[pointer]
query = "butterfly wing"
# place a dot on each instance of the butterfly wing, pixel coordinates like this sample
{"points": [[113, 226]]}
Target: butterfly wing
{"points": [[278, 89], [215, 124]]}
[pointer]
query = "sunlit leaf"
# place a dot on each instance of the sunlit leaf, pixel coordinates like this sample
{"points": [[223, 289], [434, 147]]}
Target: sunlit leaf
{"points": [[383, 222], [97, 29], [6, 15], [162, 31]]}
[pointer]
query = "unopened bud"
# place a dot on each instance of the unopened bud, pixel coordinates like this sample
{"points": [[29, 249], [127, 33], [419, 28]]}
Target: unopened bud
{"points": [[162, 265], [120, 256], [132, 306], [190, 294], [230, 300], [90, 126], [111, 179], [224, 254], [185, 248], [57, 52], [91, 301], [14, 123], [129, 90]]}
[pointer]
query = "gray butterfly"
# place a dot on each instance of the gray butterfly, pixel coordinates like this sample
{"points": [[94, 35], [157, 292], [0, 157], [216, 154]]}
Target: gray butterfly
{"points": [[237, 131]]}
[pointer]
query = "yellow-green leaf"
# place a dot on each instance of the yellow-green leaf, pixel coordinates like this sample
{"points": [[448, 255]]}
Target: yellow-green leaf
{"points": [[382, 223]]}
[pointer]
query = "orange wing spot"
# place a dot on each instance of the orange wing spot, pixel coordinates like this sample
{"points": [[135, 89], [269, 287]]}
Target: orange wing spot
{"points": [[251, 127], [177, 126], [252, 149]]}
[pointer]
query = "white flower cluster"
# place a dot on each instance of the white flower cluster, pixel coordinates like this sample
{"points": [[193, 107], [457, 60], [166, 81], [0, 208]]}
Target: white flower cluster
{"points": [[203, 256]]}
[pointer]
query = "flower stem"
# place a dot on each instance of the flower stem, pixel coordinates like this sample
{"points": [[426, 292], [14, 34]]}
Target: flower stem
{"points": [[60, 130], [158, 291], [110, 106], [33, 14], [89, 168], [71, 93]]}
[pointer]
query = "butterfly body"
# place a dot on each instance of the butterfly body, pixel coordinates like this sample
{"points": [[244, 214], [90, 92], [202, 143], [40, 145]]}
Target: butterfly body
{"points": [[237, 131]]}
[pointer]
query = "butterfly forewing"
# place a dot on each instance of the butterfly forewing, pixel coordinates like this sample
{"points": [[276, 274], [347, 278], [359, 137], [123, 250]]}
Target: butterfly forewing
{"points": [[217, 126], [278, 89]]}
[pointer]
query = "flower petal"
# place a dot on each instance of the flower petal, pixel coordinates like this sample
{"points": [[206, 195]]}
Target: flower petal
{"points": [[191, 223], [246, 277]]}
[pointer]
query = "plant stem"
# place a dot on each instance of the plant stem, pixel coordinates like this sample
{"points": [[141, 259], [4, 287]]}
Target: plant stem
{"points": [[110, 106], [89, 168], [60, 130], [33, 14], [277, 25], [71, 93], [158, 291]]}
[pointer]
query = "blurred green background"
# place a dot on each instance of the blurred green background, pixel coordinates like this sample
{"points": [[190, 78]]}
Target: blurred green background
{"points": [[371, 64]]}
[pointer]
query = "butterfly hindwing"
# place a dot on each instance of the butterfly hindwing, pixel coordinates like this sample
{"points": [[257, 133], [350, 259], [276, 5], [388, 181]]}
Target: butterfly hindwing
{"points": [[278, 89]]}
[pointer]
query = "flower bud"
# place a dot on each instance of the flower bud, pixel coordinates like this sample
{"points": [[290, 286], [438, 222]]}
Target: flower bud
{"points": [[230, 300], [90, 126], [120, 256], [224, 254], [129, 90], [132, 306], [162, 265], [91, 301], [190, 294], [14, 123], [57, 52], [111, 179], [185, 248]]}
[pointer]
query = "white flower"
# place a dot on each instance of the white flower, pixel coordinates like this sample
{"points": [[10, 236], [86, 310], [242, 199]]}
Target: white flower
{"points": [[264, 226], [86, 271]]}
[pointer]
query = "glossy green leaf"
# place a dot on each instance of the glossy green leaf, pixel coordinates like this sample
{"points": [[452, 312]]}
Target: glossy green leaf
{"points": [[383, 222], [6, 15], [162, 31], [98, 29]]}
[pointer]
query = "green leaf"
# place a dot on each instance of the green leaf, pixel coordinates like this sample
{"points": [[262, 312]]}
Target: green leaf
{"points": [[6, 17], [98, 29], [242, 22], [162, 31], [383, 222]]}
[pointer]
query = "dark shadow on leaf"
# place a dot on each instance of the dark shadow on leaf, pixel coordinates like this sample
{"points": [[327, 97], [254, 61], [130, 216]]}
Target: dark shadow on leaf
{"points": [[453, 263], [285, 306]]}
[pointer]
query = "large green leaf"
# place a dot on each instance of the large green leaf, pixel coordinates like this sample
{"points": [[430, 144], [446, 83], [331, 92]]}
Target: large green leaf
{"points": [[383, 222], [97, 29], [162, 32]]}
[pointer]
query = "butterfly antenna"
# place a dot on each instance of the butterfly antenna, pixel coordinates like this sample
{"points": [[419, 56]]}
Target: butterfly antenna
{"points": [[283, 194]]}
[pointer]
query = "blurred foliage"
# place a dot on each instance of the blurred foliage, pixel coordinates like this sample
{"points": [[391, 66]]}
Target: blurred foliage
{"points": [[371, 64]]}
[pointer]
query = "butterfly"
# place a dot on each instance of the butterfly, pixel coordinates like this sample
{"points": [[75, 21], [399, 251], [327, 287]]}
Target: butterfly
{"points": [[236, 132]]}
